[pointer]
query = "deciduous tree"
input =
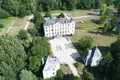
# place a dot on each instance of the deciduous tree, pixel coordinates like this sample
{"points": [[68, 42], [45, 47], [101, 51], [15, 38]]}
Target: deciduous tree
{"points": [[86, 43]]}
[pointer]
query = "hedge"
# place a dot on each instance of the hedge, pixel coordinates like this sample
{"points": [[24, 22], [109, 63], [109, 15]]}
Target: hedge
{"points": [[4, 15], [1, 25]]}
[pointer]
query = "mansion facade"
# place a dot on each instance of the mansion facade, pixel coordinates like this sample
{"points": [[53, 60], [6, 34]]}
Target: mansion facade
{"points": [[59, 27]]}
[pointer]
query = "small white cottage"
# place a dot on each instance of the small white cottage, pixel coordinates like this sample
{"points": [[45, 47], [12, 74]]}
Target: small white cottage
{"points": [[92, 57], [51, 66]]}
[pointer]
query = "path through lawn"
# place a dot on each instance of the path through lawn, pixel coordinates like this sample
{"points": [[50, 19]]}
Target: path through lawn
{"points": [[19, 24]]}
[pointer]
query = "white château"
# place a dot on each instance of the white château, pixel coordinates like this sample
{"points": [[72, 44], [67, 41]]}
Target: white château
{"points": [[59, 27]]}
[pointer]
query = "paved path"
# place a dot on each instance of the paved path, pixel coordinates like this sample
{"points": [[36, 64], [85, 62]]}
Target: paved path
{"points": [[28, 22], [9, 27]]}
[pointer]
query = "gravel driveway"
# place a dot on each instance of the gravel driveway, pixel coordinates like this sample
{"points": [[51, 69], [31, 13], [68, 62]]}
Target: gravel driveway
{"points": [[65, 51]]}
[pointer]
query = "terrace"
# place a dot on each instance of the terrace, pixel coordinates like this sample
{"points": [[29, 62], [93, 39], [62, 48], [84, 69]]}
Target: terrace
{"points": [[65, 51]]}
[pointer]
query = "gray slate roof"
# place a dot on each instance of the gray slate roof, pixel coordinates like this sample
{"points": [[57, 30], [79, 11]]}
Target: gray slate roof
{"points": [[57, 20], [94, 52], [51, 63]]}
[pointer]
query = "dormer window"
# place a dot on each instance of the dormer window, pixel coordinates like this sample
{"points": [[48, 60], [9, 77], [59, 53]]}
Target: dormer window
{"points": [[64, 21]]}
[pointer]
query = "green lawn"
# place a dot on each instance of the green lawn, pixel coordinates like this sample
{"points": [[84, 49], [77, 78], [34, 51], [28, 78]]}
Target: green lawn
{"points": [[86, 25], [91, 30], [75, 10], [80, 68], [74, 13], [6, 22]]}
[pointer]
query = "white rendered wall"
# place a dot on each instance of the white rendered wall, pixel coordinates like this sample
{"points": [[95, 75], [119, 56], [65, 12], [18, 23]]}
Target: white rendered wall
{"points": [[51, 73], [59, 29]]}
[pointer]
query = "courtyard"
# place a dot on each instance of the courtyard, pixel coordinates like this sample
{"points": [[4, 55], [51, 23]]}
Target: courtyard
{"points": [[63, 48]]}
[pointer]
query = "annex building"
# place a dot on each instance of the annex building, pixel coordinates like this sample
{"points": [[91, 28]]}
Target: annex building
{"points": [[51, 66], [92, 57]]}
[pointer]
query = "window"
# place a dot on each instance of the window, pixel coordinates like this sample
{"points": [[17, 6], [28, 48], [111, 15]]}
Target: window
{"points": [[53, 73]]}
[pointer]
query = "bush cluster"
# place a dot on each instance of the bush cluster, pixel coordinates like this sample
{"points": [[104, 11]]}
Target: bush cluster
{"points": [[4, 15], [1, 25]]}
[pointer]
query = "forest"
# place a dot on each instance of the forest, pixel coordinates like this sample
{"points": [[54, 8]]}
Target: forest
{"points": [[27, 7]]}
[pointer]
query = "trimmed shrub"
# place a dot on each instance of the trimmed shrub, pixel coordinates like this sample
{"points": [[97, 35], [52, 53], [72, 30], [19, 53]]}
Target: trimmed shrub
{"points": [[47, 14], [4, 15], [77, 64], [60, 74], [1, 25], [61, 15]]}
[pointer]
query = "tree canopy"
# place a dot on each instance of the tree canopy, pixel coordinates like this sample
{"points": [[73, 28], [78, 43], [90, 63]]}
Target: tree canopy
{"points": [[40, 48], [86, 43], [27, 7], [27, 75], [12, 57]]}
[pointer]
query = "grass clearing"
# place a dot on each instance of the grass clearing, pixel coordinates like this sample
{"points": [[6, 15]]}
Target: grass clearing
{"points": [[75, 13], [19, 24], [86, 25], [31, 25], [99, 38], [6, 22]]}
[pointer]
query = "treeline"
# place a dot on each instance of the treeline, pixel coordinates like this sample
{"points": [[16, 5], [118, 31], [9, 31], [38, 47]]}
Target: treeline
{"points": [[26, 7]]}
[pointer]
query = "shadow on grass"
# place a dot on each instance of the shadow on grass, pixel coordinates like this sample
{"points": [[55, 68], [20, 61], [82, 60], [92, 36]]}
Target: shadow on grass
{"points": [[111, 34], [96, 21], [93, 14], [77, 46]]}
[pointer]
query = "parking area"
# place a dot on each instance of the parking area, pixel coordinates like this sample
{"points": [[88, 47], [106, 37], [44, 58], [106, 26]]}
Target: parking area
{"points": [[64, 49]]}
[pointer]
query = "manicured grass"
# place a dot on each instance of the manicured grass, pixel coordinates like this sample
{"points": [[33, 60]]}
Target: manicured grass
{"points": [[75, 10], [99, 38], [91, 29], [6, 22], [31, 25], [86, 25]]}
